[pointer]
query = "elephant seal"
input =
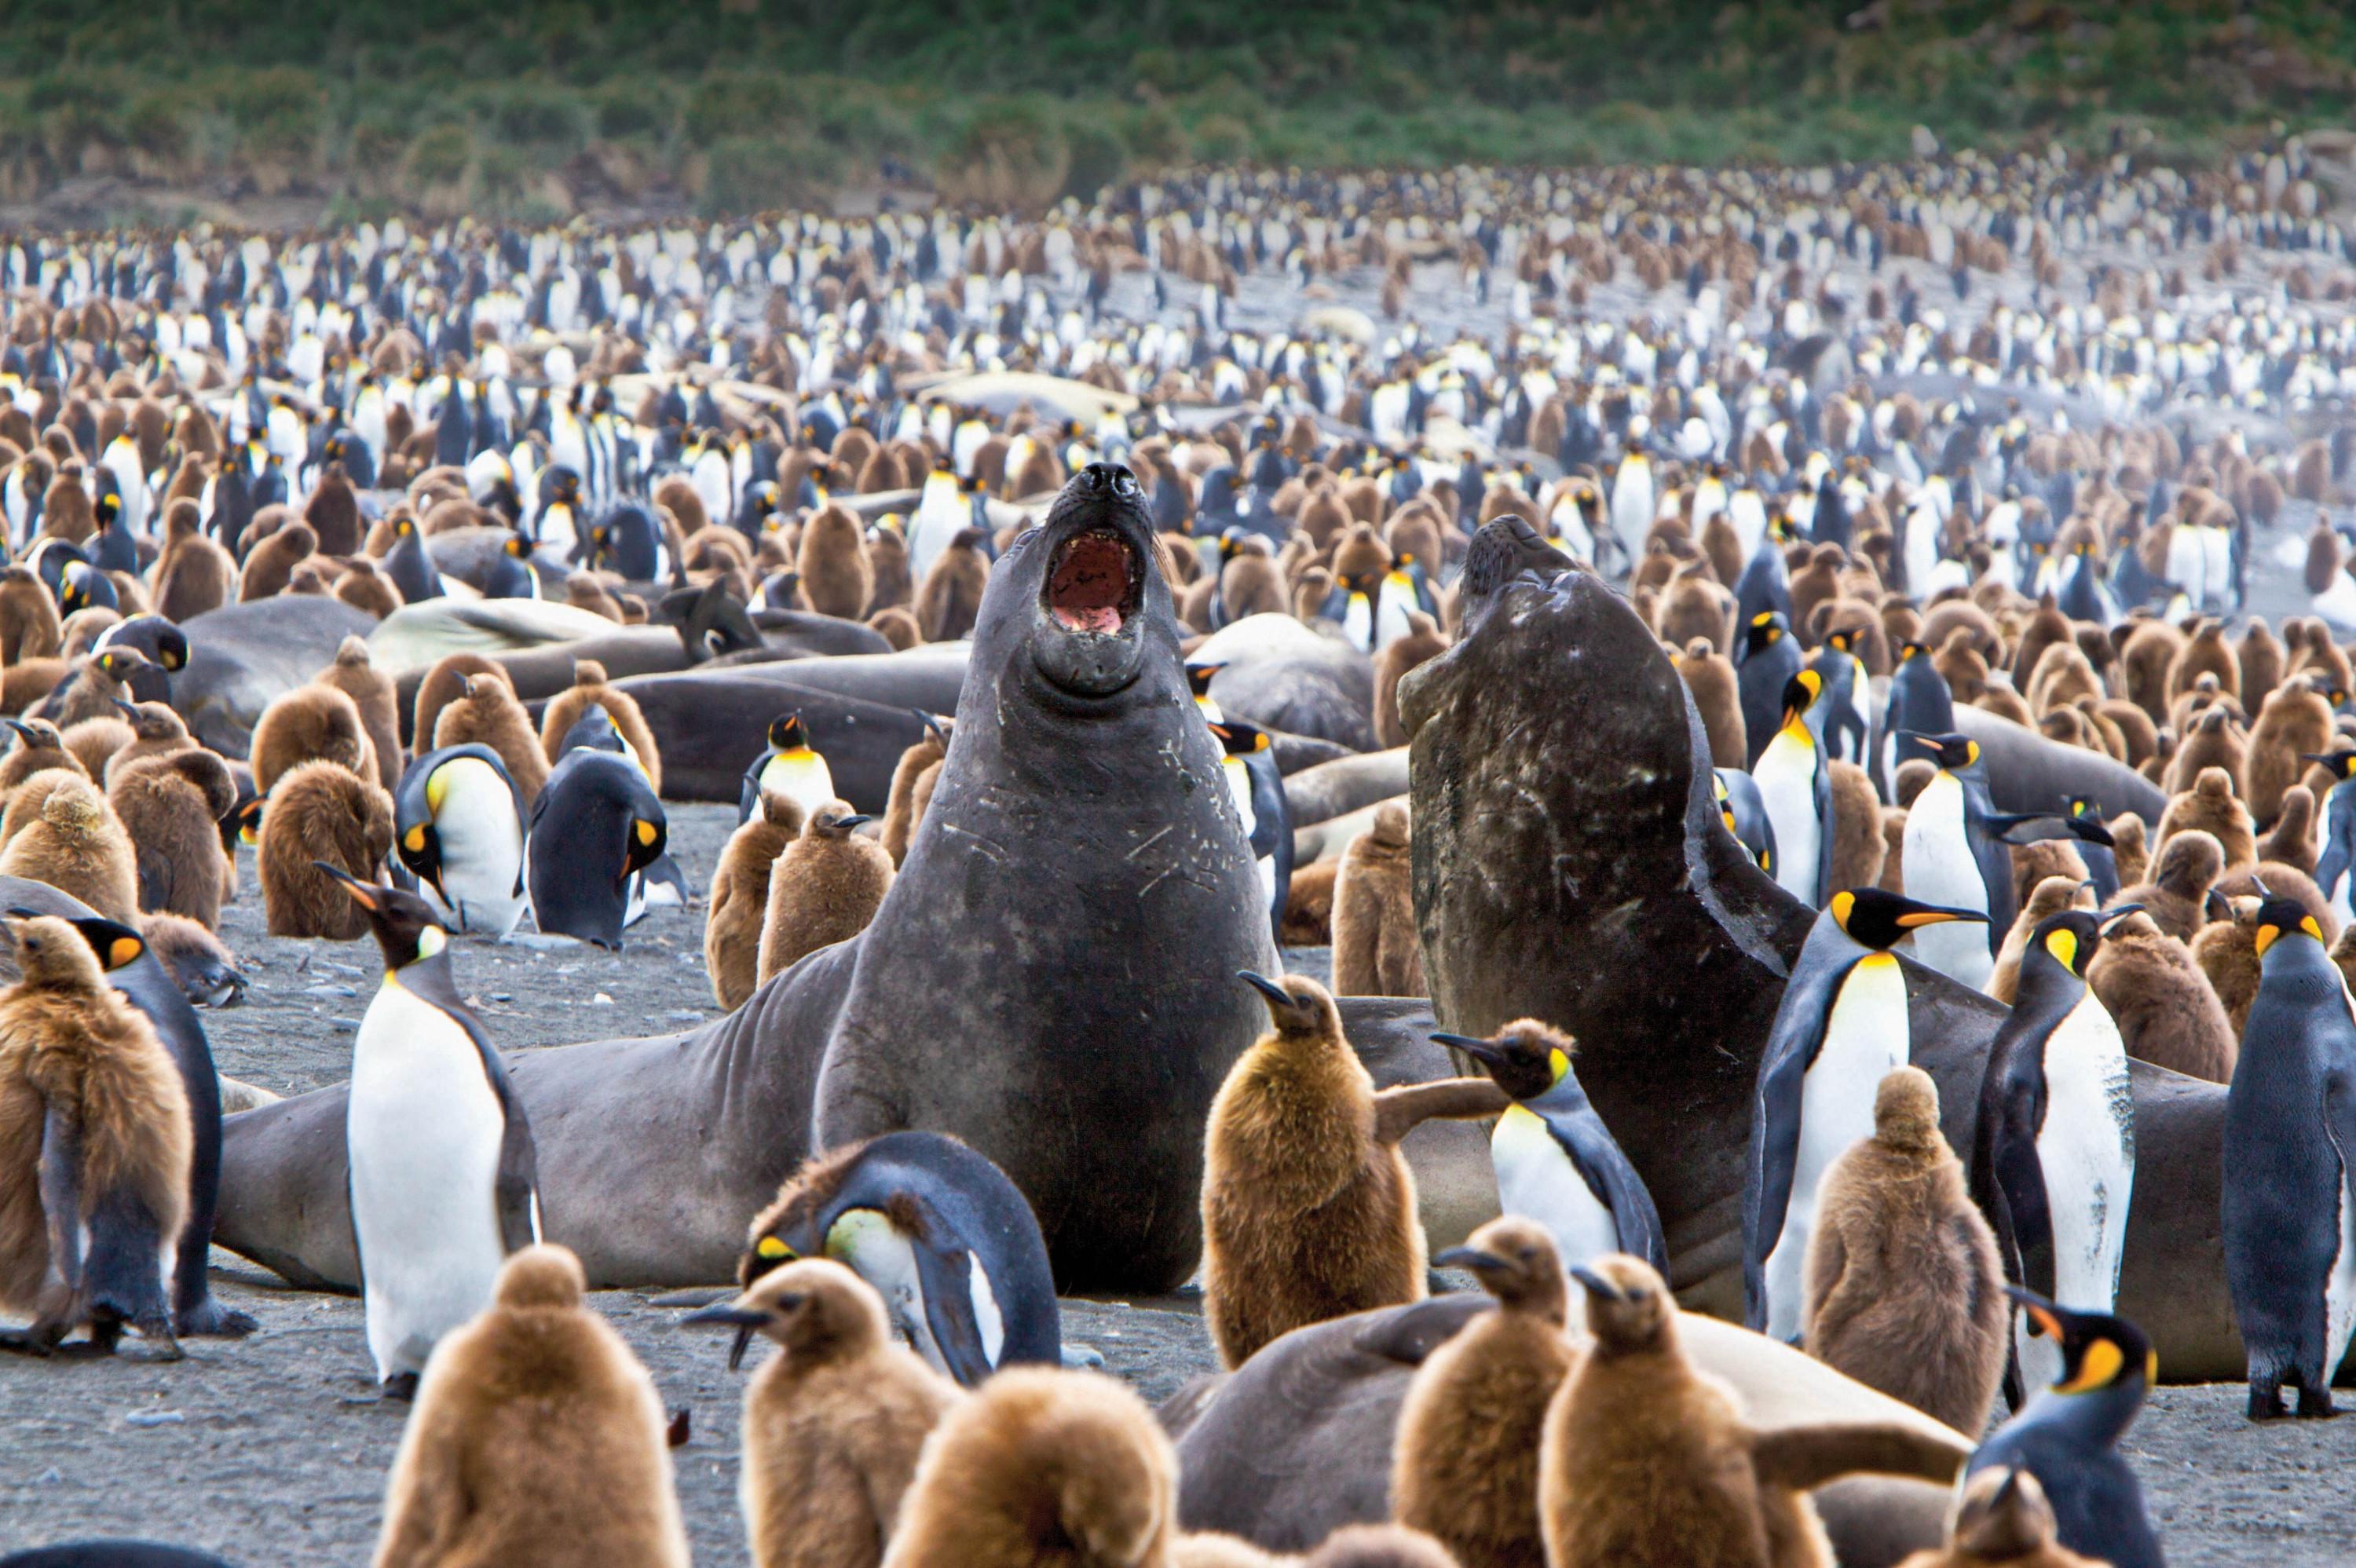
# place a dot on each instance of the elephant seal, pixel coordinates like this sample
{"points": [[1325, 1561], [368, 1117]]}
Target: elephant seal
{"points": [[2028, 772], [240, 656], [1082, 777], [1349, 784], [1571, 865], [1296, 1442], [1282, 674]]}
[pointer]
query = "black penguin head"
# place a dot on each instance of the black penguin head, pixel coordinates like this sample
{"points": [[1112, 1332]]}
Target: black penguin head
{"points": [[120, 664], [1878, 919], [1800, 694], [246, 818], [1910, 650], [1198, 677], [114, 943], [1951, 752], [107, 508], [787, 733], [2341, 763], [1516, 1261], [2073, 936], [1525, 1059], [2087, 809], [2100, 1351], [405, 925], [1296, 1004], [1240, 738], [1766, 629], [517, 546], [2281, 917]]}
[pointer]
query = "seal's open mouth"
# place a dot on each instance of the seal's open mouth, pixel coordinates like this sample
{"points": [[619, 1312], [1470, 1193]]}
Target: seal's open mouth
{"points": [[1096, 583]]}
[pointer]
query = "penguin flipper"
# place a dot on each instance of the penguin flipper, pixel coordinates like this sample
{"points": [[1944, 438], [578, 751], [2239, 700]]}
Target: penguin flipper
{"points": [[1804, 1457], [946, 1274], [1399, 1111], [2020, 1177], [1798, 1035], [61, 1191]]}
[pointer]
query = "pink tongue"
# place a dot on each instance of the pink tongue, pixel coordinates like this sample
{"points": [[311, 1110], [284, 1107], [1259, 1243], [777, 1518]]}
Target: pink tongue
{"points": [[1098, 618]]}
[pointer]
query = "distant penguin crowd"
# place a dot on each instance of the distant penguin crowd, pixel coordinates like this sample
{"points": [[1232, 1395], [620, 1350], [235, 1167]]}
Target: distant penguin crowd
{"points": [[1991, 520]]}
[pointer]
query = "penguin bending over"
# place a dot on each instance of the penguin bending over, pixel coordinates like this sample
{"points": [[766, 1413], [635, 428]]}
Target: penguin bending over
{"points": [[596, 830], [940, 1233], [458, 825], [444, 1177], [1839, 1029], [2054, 1168], [2289, 1206], [1557, 1163]]}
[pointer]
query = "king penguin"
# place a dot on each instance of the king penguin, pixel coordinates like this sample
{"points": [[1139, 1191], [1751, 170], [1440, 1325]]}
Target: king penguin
{"points": [[409, 565], [1198, 681], [1770, 658], [1842, 718], [2067, 1435], [458, 827], [443, 1176], [596, 833], [789, 765], [1557, 1163], [942, 514], [1743, 810], [2289, 1206], [1839, 1029], [2054, 1169], [1919, 703], [1795, 782], [1953, 858], [2335, 868], [1257, 790]]}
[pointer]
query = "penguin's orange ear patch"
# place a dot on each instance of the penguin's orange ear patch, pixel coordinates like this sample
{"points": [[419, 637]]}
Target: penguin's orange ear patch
{"points": [[122, 950], [774, 1249], [2101, 1368], [2307, 925], [646, 831]]}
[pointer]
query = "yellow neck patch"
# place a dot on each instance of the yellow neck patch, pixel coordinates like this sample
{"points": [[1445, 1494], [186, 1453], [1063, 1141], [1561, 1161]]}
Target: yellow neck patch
{"points": [[2099, 1370], [2063, 945]]}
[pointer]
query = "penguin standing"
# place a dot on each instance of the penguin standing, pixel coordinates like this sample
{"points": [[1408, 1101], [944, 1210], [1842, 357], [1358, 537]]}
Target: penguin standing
{"points": [[790, 766], [1954, 859], [2335, 867], [1919, 703], [409, 566], [1743, 810], [2054, 1168], [1257, 790], [1839, 1029], [1769, 657], [944, 1236], [1632, 503], [2289, 1206], [1842, 716], [443, 1180], [2067, 1435], [458, 827], [1795, 780]]}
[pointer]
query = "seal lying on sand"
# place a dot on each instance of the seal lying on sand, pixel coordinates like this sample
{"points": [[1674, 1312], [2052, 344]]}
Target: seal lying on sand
{"points": [[1048, 979], [1571, 865], [240, 656]]}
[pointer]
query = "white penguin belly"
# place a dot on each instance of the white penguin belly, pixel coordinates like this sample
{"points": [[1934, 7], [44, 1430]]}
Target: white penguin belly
{"points": [[1940, 870], [482, 847], [1864, 1038], [424, 1130], [2339, 1289], [2086, 1150], [865, 1242], [1358, 622], [805, 779], [1537, 1180], [1786, 780]]}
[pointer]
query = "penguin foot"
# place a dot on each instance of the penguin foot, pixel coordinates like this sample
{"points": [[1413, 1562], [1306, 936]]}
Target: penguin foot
{"points": [[2314, 1405], [2265, 1404], [401, 1388], [28, 1342], [209, 1319]]}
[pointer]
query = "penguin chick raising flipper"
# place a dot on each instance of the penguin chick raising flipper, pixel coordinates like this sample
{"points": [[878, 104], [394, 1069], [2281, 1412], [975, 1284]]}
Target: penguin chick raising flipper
{"points": [[2054, 1168], [442, 1173], [1308, 1210], [537, 1438], [1464, 1465], [2289, 1187], [2067, 1435], [938, 1229], [96, 1147], [1840, 1027], [1557, 1163], [833, 1422], [1716, 1491]]}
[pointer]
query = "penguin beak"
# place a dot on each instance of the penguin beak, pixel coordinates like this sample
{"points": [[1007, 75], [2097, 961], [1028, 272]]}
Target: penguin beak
{"points": [[1472, 1046], [1929, 914], [362, 893], [1277, 995], [746, 1325], [22, 728], [848, 823], [2111, 917], [1595, 1285], [1472, 1258], [130, 710]]}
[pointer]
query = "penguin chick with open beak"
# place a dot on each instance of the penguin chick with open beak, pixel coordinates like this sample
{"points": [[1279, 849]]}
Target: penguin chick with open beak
{"points": [[1308, 1210], [832, 1423]]}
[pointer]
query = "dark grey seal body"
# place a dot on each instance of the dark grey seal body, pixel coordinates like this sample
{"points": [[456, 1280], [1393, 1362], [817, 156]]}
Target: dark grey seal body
{"points": [[242, 656], [1049, 980]]}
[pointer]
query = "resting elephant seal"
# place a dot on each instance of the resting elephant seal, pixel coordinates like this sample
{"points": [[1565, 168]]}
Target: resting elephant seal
{"points": [[240, 656], [1051, 978], [2028, 772], [1282, 674], [1346, 785], [1296, 1442], [1571, 865]]}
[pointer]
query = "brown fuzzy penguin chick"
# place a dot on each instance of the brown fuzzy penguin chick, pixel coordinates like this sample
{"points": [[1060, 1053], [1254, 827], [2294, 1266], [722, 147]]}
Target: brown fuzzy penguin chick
{"points": [[2002, 1522], [1309, 1209], [156, 731], [1464, 1463], [897, 628], [887, 555], [1904, 1289], [76, 846], [2188, 866], [321, 811], [488, 710], [1421, 641], [2049, 897], [29, 624], [582, 590], [1308, 906], [205, 970], [536, 1437], [740, 898], [270, 565], [2165, 1010], [74, 1054], [171, 805], [2291, 839], [97, 683], [2032, 863], [444, 683], [38, 746], [364, 588], [2210, 806], [589, 690], [1376, 949], [2207, 653], [2130, 849], [2227, 952], [1709, 676], [94, 744], [193, 574], [2147, 655], [1857, 844], [834, 1422], [2297, 718], [310, 723], [354, 673], [2259, 657], [899, 808], [950, 599], [836, 576], [824, 888]]}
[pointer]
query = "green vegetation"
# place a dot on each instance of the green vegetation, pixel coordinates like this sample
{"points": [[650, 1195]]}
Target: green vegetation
{"points": [[535, 110]]}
